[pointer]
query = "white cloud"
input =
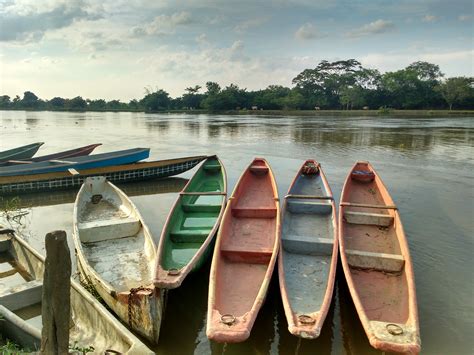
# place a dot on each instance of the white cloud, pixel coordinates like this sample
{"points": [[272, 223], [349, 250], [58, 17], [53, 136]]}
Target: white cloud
{"points": [[163, 24], [465, 17], [429, 18], [308, 31], [251, 23], [376, 27], [202, 40]]}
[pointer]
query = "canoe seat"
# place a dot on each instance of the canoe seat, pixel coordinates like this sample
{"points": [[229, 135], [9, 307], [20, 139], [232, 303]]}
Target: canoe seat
{"points": [[23, 295], [307, 245], [194, 207], [376, 261], [212, 168], [189, 235], [376, 219], [305, 206], [97, 231], [254, 212], [247, 255], [258, 170]]}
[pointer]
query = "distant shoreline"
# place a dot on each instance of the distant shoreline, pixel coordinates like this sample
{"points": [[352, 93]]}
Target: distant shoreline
{"points": [[308, 113]]}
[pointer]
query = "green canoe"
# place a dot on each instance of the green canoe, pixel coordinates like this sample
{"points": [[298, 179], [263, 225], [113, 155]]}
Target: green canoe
{"points": [[23, 152], [191, 225]]}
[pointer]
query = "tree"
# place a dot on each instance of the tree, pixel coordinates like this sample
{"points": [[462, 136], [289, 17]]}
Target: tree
{"points": [[57, 103], [5, 101], [352, 96], [77, 103], [457, 89], [192, 99], [155, 101], [212, 88], [29, 100]]}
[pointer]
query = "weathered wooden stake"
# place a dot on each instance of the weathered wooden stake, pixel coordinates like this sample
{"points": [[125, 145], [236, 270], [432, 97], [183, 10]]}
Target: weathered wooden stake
{"points": [[56, 295]]}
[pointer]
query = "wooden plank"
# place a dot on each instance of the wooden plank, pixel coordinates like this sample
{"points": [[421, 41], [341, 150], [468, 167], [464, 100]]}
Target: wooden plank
{"points": [[364, 205], [310, 197], [19, 161], [376, 261], [57, 161], [206, 193], [73, 171], [375, 219]]}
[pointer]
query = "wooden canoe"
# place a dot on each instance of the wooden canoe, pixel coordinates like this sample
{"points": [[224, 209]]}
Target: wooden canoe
{"points": [[377, 263], [244, 256], [77, 152], [189, 230], [116, 253], [20, 305], [85, 162], [23, 152], [308, 251]]}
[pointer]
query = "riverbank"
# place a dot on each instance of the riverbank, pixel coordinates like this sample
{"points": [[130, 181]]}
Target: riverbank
{"points": [[309, 113]]}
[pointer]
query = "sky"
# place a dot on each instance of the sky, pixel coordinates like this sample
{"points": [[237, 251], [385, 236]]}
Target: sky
{"points": [[114, 49]]}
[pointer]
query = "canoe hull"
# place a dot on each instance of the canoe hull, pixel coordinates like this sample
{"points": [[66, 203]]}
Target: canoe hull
{"points": [[115, 254], [24, 152], [93, 324], [308, 252], [189, 230], [244, 256], [377, 264]]}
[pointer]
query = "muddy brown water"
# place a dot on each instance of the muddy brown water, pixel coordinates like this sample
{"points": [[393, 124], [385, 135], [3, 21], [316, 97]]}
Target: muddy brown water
{"points": [[426, 163]]}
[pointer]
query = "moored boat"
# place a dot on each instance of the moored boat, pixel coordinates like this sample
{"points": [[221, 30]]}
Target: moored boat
{"points": [[377, 263], [77, 152], [308, 251], [244, 256], [189, 230], [84, 162], [23, 152], [116, 254], [20, 306]]}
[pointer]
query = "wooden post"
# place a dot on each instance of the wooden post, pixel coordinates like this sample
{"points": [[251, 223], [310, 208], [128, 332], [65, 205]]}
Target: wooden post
{"points": [[56, 301]]}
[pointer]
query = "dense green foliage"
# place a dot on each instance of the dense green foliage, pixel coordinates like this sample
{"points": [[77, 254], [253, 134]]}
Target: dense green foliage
{"points": [[343, 84]]}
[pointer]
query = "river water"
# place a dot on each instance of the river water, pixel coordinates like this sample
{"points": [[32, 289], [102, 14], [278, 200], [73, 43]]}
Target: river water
{"points": [[426, 163]]}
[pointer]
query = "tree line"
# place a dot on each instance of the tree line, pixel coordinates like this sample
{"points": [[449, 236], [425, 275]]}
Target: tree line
{"points": [[343, 84]]}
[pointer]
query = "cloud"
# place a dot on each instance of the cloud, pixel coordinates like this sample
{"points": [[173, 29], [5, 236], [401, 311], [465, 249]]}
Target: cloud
{"points": [[29, 20], [465, 17], [376, 27], [429, 18], [307, 32], [202, 40], [251, 23], [163, 24]]}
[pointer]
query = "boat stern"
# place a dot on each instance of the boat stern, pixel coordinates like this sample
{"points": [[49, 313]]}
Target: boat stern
{"points": [[394, 337], [227, 328]]}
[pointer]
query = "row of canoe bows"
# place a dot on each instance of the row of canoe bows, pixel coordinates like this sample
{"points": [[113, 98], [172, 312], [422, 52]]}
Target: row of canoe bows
{"points": [[252, 234]]}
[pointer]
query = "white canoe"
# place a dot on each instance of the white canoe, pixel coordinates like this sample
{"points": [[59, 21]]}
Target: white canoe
{"points": [[116, 254], [22, 270]]}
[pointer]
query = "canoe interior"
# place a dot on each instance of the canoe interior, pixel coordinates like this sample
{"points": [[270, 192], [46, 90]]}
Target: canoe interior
{"points": [[307, 244], [248, 240], [23, 152], [21, 273], [112, 236], [377, 263], [194, 216]]}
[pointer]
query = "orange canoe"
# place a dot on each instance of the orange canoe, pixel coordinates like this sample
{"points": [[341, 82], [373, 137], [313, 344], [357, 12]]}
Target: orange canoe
{"points": [[244, 256], [308, 251], [376, 262]]}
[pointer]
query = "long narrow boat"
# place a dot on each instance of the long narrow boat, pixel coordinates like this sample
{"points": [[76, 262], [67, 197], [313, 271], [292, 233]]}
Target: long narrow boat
{"points": [[77, 152], [21, 275], [308, 251], [85, 162], [24, 152], [189, 230], [116, 253], [377, 263], [19, 184], [244, 256]]}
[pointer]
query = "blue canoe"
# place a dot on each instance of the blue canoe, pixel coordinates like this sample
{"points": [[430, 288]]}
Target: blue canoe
{"points": [[85, 162], [23, 152]]}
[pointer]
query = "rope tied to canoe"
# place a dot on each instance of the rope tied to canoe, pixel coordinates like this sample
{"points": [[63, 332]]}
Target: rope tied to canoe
{"points": [[305, 319], [131, 293], [310, 169], [228, 319], [394, 329]]}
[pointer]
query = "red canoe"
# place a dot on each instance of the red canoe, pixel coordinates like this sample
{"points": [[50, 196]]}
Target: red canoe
{"points": [[376, 262], [244, 256]]}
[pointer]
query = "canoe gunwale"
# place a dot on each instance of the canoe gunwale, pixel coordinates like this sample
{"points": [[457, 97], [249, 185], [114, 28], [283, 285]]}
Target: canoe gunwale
{"points": [[412, 321], [178, 276], [29, 149], [219, 333], [310, 330]]}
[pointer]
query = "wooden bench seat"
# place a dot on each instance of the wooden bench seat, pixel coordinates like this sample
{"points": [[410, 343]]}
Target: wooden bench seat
{"points": [[212, 168], [307, 245], [259, 170], [375, 219], [23, 295], [189, 235], [194, 207], [375, 261], [245, 254], [269, 212], [308, 206], [97, 231]]}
